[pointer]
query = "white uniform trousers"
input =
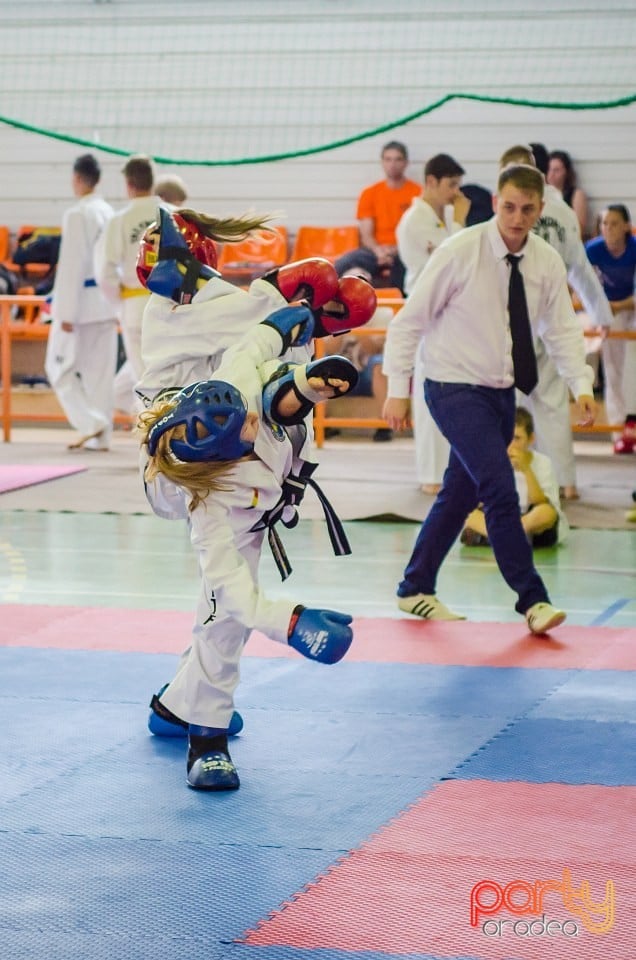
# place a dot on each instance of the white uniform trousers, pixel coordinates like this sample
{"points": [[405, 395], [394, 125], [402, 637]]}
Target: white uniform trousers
{"points": [[549, 404], [432, 449], [132, 311], [80, 367], [202, 690], [619, 368], [130, 372], [126, 399]]}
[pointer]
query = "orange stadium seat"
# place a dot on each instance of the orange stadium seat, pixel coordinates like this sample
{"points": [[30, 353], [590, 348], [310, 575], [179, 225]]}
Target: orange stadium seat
{"points": [[328, 242], [391, 297], [5, 244], [261, 252], [28, 236]]}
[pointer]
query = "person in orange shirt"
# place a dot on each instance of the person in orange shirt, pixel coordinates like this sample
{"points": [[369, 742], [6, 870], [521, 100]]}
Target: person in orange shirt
{"points": [[380, 208]]}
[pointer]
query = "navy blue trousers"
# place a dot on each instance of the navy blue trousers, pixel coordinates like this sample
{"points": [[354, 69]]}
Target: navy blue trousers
{"points": [[478, 422]]}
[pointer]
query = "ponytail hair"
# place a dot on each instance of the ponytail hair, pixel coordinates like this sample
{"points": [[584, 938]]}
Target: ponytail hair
{"points": [[228, 230]]}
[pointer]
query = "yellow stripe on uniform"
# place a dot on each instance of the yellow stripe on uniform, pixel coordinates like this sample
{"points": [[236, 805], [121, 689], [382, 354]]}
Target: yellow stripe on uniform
{"points": [[127, 292]]}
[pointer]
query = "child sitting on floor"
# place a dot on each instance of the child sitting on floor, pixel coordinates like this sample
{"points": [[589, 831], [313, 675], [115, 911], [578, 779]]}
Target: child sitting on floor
{"points": [[542, 519]]}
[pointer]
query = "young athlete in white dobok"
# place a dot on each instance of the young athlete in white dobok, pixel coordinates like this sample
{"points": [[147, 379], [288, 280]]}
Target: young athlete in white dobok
{"points": [[230, 455]]}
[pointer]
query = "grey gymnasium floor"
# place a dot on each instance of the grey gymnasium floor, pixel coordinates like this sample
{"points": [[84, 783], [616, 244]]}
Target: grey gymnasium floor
{"points": [[375, 795], [370, 485]]}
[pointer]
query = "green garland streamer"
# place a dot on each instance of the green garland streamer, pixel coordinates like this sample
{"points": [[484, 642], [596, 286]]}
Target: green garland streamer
{"points": [[335, 144]]}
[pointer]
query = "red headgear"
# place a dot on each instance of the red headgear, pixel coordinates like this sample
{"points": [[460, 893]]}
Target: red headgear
{"points": [[147, 256], [200, 246], [165, 243]]}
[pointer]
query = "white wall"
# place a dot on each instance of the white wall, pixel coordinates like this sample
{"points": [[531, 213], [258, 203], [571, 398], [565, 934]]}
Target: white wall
{"points": [[227, 80]]}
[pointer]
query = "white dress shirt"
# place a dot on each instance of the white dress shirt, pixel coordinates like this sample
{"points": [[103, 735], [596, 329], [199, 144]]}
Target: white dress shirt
{"points": [[460, 303]]}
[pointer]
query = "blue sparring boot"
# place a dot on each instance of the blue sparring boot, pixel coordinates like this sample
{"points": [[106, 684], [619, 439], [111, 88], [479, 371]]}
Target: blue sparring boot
{"points": [[209, 765], [163, 723], [295, 377]]}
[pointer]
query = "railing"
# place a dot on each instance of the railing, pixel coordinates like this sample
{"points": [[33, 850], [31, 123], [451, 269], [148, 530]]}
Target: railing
{"points": [[12, 329], [24, 330]]}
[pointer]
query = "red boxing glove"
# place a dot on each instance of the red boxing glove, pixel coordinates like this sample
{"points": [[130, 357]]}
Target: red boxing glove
{"points": [[353, 305], [314, 280]]}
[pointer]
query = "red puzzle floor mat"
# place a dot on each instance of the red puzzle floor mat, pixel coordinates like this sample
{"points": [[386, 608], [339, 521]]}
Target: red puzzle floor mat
{"points": [[493, 871], [386, 640]]}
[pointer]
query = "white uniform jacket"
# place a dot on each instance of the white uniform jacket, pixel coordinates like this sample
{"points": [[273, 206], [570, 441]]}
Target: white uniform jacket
{"points": [[76, 297], [559, 226], [185, 344], [221, 527], [117, 252], [419, 233]]}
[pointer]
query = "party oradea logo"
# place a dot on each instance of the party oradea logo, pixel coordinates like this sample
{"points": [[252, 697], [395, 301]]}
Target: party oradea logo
{"points": [[528, 905]]}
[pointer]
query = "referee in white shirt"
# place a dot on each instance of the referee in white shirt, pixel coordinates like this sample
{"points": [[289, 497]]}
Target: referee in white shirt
{"points": [[460, 303]]}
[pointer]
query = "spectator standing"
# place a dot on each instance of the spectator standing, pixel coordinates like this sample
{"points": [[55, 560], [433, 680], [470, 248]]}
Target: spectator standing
{"points": [[478, 301], [82, 346], [562, 175], [172, 190], [440, 211], [380, 208], [613, 255], [549, 402], [117, 274]]}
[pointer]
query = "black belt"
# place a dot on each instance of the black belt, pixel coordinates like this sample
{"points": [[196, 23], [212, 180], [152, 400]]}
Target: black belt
{"points": [[292, 493]]}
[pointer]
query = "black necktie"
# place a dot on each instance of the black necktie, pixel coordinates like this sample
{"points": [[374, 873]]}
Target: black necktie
{"points": [[524, 361]]}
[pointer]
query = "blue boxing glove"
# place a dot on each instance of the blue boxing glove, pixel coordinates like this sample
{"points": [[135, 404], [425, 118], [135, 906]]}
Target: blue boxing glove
{"points": [[322, 635], [284, 321]]}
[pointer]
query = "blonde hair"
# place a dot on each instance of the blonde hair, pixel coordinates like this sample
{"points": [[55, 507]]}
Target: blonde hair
{"points": [[199, 478], [228, 230], [172, 189], [517, 154]]}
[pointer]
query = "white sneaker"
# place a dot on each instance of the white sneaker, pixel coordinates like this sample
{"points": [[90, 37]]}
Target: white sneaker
{"points": [[428, 607], [541, 617]]}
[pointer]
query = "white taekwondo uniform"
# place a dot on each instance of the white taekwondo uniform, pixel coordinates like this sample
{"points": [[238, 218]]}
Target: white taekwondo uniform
{"points": [[230, 603], [80, 365], [549, 402], [117, 277], [419, 233], [182, 344]]}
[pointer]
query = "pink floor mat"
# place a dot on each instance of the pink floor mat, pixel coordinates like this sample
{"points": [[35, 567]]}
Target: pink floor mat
{"points": [[14, 476]]}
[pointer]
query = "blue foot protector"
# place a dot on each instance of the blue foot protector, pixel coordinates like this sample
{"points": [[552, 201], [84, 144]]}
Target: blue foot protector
{"points": [[210, 766], [163, 723]]}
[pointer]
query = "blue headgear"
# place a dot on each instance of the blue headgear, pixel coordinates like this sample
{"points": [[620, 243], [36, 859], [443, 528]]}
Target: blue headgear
{"points": [[221, 408], [177, 270]]}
